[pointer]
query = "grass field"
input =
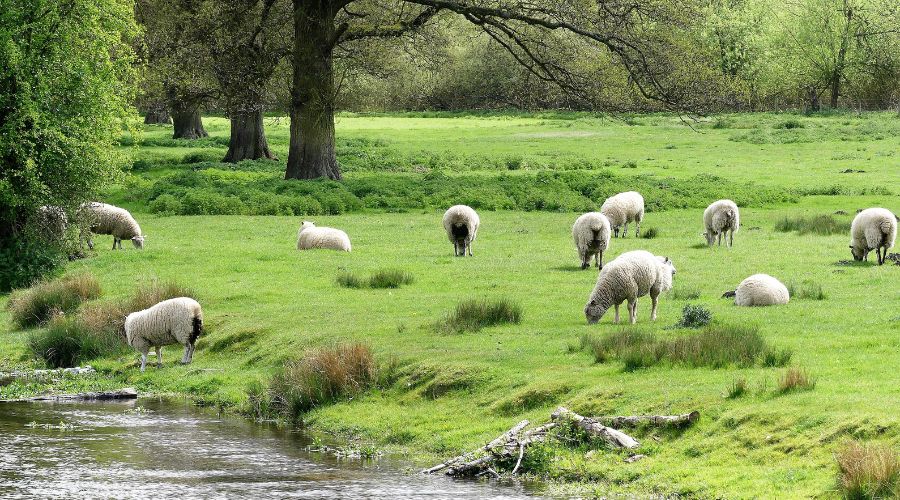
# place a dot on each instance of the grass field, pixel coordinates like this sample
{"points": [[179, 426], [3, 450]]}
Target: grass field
{"points": [[265, 302]]}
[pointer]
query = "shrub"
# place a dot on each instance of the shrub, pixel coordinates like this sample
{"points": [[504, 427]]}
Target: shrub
{"points": [[347, 279], [166, 204], [820, 224], [868, 471], [473, 315], [796, 379], [737, 388], [694, 316], [322, 376], [38, 304], [806, 290], [67, 342], [650, 233], [390, 278]]}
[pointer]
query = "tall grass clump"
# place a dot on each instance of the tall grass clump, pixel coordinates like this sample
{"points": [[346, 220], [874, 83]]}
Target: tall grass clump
{"points": [[322, 376], [694, 316], [348, 279], [473, 315], [820, 224], [684, 293], [390, 278], [37, 305], [650, 233], [868, 471], [737, 389], [806, 290], [68, 342], [796, 379]]}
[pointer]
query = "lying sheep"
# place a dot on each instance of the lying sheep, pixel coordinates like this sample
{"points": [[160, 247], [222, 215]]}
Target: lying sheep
{"points": [[461, 223], [309, 236], [627, 277], [591, 234], [622, 209], [721, 218], [101, 218], [761, 290], [873, 229], [173, 321]]}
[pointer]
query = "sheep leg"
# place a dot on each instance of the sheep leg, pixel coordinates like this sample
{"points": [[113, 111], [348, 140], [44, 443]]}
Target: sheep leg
{"points": [[720, 239], [637, 231], [625, 230], [655, 299], [158, 357], [632, 311], [731, 238], [600, 259], [143, 361], [469, 247], [585, 260], [90, 243], [187, 354], [616, 231], [617, 313]]}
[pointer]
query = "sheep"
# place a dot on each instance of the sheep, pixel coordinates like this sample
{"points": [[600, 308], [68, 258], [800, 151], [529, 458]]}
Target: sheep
{"points": [[721, 218], [591, 233], [309, 236], [873, 229], [461, 223], [627, 277], [622, 209], [173, 321], [101, 218], [52, 222], [761, 290]]}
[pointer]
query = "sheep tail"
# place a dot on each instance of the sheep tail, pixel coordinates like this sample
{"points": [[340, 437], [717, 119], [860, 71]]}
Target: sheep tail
{"points": [[198, 329]]}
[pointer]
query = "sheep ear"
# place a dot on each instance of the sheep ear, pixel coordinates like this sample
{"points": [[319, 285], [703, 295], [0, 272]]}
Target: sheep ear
{"points": [[667, 260], [851, 247]]}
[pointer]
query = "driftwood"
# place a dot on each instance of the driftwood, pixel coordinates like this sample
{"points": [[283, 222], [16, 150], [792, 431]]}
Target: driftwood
{"points": [[467, 457], [127, 393], [653, 420], [594, 428]]}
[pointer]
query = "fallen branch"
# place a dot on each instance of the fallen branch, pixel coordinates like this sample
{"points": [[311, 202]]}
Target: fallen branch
{"points": [[654, 420], [594, 428], [127, 393], [499, 441]]}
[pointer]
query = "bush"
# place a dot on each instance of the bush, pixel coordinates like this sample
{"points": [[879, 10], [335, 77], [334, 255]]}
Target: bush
{"points": [[67, 342], [38, 304], [868, 471], [796, 379], [322, 376], [26, 258], [694, 316], [473, 315], [820, 224], [166, 204], [390, 278]]}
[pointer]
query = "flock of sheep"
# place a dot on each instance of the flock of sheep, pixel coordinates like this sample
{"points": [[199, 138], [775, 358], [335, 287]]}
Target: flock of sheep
{"points": [[629, 276]]}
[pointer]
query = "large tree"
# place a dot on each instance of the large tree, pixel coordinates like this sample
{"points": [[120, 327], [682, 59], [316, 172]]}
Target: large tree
{"points": [[643, 37]]}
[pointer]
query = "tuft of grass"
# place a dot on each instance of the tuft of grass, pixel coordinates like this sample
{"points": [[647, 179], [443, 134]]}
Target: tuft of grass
{"points": [[716, 346], [737, 388], [820, 224], [67, 342], [868, 471], [776, 357], [322, 376], [37, 305], [806, 290], [796, 379], [390, 278], [694, 316], [682, 293], [348, 279], [790, 124], [650, 233], [473, 315]]}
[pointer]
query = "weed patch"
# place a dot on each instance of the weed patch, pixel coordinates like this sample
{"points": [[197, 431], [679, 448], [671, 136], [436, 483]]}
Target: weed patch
{"points": [[794, 380], [37, 305], [384, 278], [684, 293], [819, 224], [694, 316], [806, 290], [473, 315], [868, 471], [737, 389], [67, 342]]}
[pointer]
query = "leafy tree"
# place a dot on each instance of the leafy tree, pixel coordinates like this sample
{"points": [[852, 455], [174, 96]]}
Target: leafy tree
{"points": [[65, 89]]}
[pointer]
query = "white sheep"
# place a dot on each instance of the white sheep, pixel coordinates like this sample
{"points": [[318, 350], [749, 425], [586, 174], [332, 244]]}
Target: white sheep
{"points": [[461, 223], [309, 236], [101, 218], [173, 321], [761, 290], [627, 277], [53, 222], [591, 234], [622, 209], [721, 218], [873, 229]]}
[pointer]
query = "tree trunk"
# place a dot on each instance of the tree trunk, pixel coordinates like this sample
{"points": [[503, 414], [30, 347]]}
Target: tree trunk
{"points": [[841, 56], [157, 114], [311, 154], [248, 138], [188, 124]]}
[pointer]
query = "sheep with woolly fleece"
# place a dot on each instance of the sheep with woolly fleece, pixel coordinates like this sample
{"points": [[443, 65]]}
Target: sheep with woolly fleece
{"points": [[173, 321], [873, 229], [53, 222], [623, 208], [721, 218], [591, 234], [310, 236], [761, 290], [101, 218], [627, 277], [461, 224]]}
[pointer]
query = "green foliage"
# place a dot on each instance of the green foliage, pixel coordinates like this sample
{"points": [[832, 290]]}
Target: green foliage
{"points": [[475, 314], [694, 316], [650, 233], [868, 471], [68, 342], [65, 90], [819, 224], [806, 290], [38, 304]]}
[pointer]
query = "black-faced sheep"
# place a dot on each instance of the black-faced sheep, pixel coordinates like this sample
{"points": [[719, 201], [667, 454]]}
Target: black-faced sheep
{"points": [[721, 218], [873, 229], [173, 321], [591, 234], [461, 224]]}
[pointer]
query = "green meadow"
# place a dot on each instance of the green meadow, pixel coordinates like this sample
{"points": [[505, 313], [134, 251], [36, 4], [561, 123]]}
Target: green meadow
{"points": [[228, 232]]}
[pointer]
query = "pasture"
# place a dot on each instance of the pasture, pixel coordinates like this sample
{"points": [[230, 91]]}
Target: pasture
{"points": [[266, 303]]}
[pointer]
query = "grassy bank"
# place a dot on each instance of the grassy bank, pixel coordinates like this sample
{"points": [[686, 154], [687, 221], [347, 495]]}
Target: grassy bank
{"points": [[266, 303]]}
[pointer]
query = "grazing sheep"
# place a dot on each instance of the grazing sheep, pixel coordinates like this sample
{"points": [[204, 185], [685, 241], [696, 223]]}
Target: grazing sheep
{"points": [[761, 290], [591, 233], [101, 218], [721, 218], [309, 236], [461, 223], [173, 321], [622, 209], [873, 229], [627, 277], [53, 222]]}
